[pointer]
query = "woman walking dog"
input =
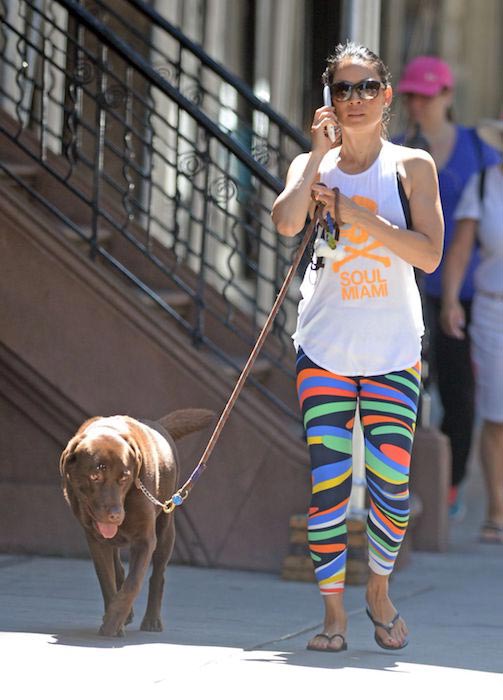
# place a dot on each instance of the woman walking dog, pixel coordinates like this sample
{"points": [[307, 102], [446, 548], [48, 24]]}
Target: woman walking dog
{"points": [[360, 324]]}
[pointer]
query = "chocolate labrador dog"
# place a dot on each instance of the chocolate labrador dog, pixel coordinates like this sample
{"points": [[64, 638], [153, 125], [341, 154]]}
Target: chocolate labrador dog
{"points": [[102, 469]]}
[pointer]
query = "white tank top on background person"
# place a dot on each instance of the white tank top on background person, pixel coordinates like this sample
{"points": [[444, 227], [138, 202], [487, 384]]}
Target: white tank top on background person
{"points": [[361, 315], [489, 213]]}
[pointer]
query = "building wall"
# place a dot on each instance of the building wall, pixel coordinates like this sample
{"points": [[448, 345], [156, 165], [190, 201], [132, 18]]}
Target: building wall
{"points": [[283, 32], [466, 34], [472, 43]]}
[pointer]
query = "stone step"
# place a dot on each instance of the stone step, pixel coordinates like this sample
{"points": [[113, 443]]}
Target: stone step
{"points": [[24, 171], [178, 300], [259, 371], [104, 235]]}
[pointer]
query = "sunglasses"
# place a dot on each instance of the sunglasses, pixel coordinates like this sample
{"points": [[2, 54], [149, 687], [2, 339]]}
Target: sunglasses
{"points": [[367, 89]]}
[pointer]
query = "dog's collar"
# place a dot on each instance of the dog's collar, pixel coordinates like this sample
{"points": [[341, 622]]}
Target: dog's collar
{"points": [[176, 500]]}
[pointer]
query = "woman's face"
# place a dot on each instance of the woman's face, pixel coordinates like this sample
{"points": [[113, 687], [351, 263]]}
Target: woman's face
{"points": [[358, 113], [423, 110]]}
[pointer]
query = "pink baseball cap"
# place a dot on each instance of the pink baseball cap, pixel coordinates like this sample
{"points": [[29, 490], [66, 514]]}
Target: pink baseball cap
{"points": [[426, 75]]}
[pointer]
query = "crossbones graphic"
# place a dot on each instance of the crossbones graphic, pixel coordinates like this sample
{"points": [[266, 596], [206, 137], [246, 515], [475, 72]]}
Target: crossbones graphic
{"points": [[356, 234], [361, 253]]}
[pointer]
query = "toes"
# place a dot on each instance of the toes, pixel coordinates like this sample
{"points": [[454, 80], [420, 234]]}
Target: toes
{"points": [[389, 640], [402, 633], [325, 642], [396, 638], [318, 643], [335, 644]]}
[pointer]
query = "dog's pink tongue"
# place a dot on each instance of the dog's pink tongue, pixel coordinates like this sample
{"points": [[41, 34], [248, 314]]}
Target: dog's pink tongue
{"points": [[107, 530]]}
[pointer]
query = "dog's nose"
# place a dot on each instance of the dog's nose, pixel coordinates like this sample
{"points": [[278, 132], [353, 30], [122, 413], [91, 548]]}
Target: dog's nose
{"points": [[115, 515]]}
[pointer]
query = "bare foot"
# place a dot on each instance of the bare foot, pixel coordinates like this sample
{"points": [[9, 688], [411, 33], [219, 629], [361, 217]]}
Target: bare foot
{"points": [[328, 641], [382, 610], [333, 637]]}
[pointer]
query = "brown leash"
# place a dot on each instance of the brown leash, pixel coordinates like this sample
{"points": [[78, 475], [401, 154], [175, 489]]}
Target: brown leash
{"points": [[179, 497]]}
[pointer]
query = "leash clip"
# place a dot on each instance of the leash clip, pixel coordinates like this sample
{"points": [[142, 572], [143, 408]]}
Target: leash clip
{"points": [[176, 500]]}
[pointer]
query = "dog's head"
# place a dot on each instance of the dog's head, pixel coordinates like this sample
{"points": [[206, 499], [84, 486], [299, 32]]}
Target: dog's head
{"points": [[98, 467]]}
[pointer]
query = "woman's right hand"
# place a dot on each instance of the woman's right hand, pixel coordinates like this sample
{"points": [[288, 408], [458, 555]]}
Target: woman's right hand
{"points": [[453, 320], [291, 207], [320, 141]]}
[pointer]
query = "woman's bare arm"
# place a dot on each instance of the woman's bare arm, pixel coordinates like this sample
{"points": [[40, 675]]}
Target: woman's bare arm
{"points": [[452, 314], [421, 246], [292, 206], [290, 209]]}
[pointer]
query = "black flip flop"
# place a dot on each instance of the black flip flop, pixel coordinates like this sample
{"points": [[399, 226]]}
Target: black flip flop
{"points": [[388, 627], [343, 646]]}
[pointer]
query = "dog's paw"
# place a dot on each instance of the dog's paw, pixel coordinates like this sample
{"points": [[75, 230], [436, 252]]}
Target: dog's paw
{"points": [[153, 624], [107, 630]]}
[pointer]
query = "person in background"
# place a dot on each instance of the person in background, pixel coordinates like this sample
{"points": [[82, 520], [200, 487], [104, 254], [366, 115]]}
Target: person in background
{"points": [[427, 87], [479, 220], [358, 335]]}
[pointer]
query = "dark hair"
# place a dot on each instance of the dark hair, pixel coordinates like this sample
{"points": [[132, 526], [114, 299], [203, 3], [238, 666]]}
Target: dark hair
{"points": [[356, 53]]}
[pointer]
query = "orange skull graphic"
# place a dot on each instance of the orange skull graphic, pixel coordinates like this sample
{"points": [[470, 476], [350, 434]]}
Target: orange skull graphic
{"points": [[356, 235], [353, 232]]}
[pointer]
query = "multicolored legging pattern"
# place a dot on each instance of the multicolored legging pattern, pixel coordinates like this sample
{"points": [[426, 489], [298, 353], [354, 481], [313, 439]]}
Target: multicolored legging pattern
{"points": [[388, 409]]}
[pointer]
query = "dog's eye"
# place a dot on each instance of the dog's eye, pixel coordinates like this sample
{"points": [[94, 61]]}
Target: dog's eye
{"points": [[124, 476], [95, 476]]}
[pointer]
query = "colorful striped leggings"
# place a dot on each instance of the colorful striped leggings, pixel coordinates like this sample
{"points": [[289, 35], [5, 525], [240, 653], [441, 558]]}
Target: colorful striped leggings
{"points": [[388, 409]]}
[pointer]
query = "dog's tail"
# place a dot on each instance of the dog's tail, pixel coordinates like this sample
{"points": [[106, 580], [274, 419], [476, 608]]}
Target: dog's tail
{"points": [[186, 420]]}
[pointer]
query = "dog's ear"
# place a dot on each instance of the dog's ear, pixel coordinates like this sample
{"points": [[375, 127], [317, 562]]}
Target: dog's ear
{"points": [[67, 457], [68, 454], [137, 454]]}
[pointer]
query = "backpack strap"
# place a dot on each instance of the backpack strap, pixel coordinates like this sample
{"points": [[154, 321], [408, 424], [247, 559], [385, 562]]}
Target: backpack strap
{"points": [[480, 157], [482, 182], [404, 201]]}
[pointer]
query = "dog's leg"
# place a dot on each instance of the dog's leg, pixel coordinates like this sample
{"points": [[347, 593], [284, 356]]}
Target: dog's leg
{"points": [[152, 621], [120, 607], [120, 574], [103, 560], [119, 579]]}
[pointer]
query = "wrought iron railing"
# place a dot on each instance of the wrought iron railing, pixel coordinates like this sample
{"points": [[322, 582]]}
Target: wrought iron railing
{"points": [[154, 164], [221, 95]]}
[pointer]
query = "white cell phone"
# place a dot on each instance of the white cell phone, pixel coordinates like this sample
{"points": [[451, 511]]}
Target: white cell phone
{"points": [[327, 101]]}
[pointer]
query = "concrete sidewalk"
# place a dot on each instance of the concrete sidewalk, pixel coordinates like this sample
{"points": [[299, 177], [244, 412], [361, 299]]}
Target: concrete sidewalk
{"points": [[234, 634]]}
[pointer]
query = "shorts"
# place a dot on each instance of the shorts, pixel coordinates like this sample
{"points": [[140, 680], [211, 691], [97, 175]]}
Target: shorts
{"points": [[486, 334]]}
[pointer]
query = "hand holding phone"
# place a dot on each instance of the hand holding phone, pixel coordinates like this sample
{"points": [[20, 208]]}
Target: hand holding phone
{"points": [[327, 101]]}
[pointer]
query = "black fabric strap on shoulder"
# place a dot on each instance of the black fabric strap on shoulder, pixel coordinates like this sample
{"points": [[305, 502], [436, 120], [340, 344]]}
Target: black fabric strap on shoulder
{"points": [[404, 201], [480, 157], [482, 182]]}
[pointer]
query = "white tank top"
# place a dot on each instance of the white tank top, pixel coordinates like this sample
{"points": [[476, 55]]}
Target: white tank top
{"points": [[361, 315]]}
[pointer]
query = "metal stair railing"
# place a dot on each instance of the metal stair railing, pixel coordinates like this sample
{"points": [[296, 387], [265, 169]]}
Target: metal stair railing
{"points": [[226, 99], [148, 164]]}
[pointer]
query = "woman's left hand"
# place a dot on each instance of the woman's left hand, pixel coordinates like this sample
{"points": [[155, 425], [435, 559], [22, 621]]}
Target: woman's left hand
{"points": [[341, 208]]}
